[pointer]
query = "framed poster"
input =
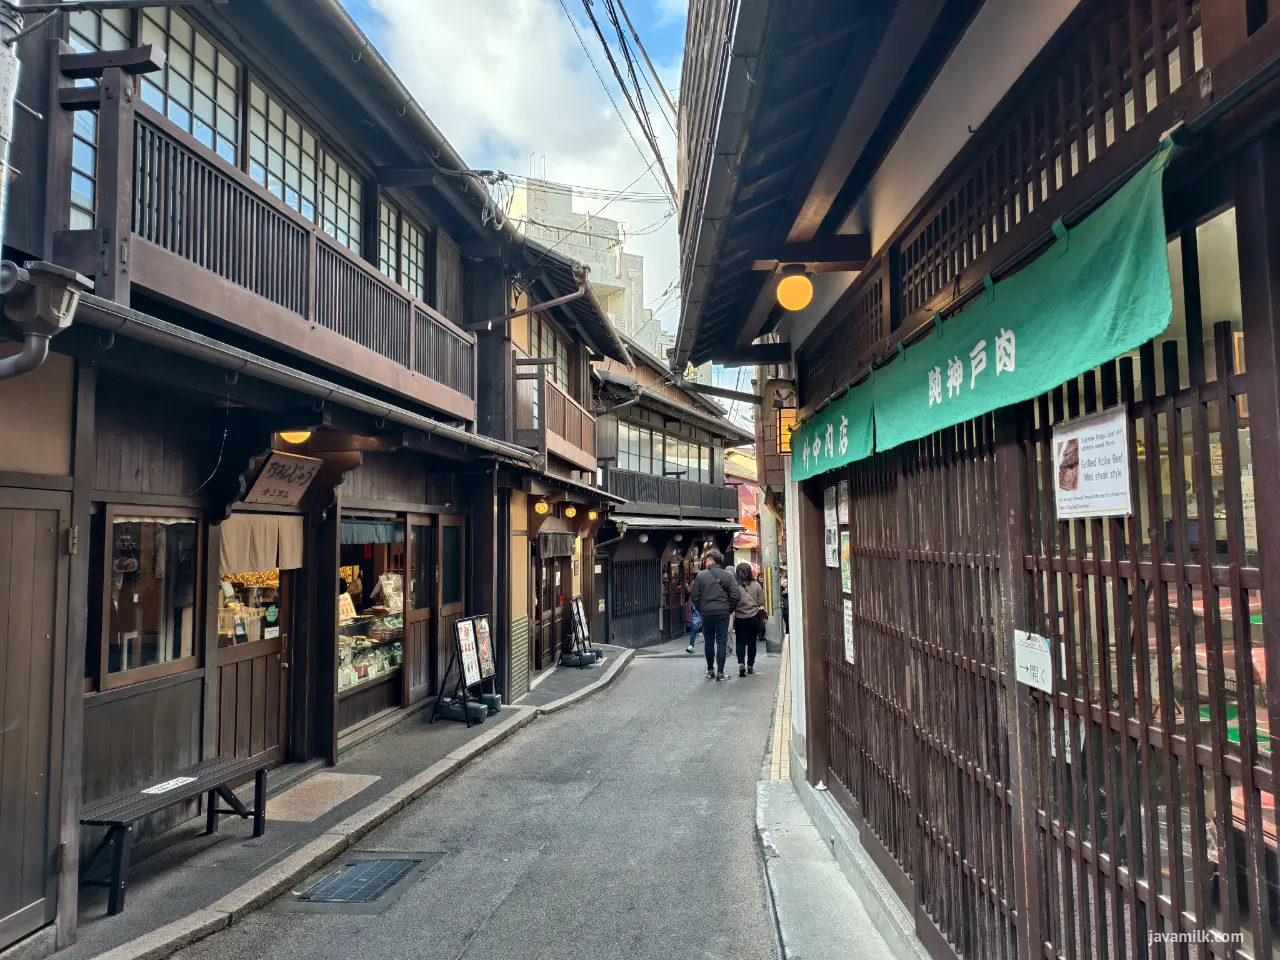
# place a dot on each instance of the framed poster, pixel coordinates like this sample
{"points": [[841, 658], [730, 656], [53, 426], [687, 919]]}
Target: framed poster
{"points": [[846, 563], [484, 646], [1091, 465], [830, 526], [465, 631], [842, 501]]}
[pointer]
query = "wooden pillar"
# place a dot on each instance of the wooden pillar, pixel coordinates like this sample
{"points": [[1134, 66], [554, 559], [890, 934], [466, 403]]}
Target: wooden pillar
{"points": [[61, 127], [1256, 185], [115, 184], [82, 467], [370, 225], [813, 573], [1225, 25], [1018, 709]]}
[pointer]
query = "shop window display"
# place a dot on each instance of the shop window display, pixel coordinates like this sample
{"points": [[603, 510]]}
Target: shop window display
{"points": [[250, 607], [151, 591], [371, 610]]}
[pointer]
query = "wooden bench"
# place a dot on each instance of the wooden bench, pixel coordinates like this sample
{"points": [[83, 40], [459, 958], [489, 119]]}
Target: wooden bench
{"points": [[121, 812]]}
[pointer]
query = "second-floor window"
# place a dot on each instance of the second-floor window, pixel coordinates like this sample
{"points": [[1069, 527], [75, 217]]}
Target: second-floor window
{"points": [[546, 341], [287, 159], [199, 87], [402, 250], [643, 450]]}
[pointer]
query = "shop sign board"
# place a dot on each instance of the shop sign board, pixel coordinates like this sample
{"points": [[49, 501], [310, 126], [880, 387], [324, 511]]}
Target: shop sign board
{"points": [[848, 630], [467, 656], [580, 619], [1033, 660], [484, 646], [284, 480], [830, 526], [1091, 465], [846, 563]]}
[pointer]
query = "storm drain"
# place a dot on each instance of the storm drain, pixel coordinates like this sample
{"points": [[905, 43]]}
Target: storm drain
{"points": [[361, 883]]}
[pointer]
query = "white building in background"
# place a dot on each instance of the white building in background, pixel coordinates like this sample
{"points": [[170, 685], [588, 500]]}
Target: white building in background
{"points": [[545, 213]]}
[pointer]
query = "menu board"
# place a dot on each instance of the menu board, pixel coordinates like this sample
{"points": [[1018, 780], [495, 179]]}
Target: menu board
{"points": [[465, 631], [484, 646], [580, 619], [1091, 465], [829, 527]]}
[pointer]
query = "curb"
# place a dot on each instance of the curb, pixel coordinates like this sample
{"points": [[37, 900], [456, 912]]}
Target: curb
{"points": [[577, 696], [274, 881]]}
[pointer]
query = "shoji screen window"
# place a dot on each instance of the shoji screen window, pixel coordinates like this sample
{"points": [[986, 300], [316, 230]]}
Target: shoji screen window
{"points": [[91, 31], [340, 203], [413, 259], [388, 245], [199, 87], [282, 152]]}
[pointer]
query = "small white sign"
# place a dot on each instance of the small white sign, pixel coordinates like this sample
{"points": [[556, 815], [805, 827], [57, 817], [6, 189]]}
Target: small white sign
{"points": [[1033, 659], [169, 785], [832, 536], [1091, 465], [848, 631], [270, 633]]}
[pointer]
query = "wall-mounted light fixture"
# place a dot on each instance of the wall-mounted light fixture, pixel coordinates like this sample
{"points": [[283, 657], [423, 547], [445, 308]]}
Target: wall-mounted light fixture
{"points": [[295, 436], [570, 512], [643, 538], [795, 289], [542, 508], [591, 515]]}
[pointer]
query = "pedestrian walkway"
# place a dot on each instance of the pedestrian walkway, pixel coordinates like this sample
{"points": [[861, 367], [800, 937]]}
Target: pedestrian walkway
{"points": [[183, 881], [780, 753]]}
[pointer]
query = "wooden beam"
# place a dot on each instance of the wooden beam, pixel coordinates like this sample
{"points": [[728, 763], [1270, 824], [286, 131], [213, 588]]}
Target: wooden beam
{"points": [[819, 182], [739, 395], [91, 66], [79, 98], [750, 356], [841, 251]]}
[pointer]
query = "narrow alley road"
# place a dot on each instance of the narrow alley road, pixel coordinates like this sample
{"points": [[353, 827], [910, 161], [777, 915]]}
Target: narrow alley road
{"points": [[622, 827]]}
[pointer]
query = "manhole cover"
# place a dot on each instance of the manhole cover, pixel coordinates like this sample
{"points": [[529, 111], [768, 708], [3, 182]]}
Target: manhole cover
{"points": [[361, 882]]}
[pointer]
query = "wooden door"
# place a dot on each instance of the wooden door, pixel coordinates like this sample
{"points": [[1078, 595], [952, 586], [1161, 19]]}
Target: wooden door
{"points": [[451, 584], [252, 688], [33, 599], [554, 580], [419, 606]]}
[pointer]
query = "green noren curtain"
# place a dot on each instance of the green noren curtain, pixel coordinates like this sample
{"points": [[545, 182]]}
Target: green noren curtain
{"points": [[1101, 290]]}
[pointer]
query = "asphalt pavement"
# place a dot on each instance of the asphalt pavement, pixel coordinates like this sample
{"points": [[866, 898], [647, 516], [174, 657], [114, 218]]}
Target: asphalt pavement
{"points": [[622, 828]]}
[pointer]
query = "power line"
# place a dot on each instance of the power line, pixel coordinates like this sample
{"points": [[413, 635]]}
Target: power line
{"points": [[625, 48], [640, 117], [608, 93], [658, 80], [646, 170]]}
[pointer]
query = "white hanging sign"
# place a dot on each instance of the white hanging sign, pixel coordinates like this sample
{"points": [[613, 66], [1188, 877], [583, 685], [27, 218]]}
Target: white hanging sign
{"points": [[1091, 465], [1033, 660]]}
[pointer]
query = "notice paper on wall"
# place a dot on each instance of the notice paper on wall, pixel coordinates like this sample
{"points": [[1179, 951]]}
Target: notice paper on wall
{"points": [[1091, 465], [830, 526], [848, 631], [1033, 660]]}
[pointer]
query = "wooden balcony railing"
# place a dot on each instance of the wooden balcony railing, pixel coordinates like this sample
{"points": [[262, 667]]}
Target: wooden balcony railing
{"points": [[191, 203], [643, 488], [549, 420]]}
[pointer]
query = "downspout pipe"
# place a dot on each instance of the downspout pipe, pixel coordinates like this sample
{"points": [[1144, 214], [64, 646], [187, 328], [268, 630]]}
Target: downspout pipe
{"points": [[40, 299], [507, 317]]}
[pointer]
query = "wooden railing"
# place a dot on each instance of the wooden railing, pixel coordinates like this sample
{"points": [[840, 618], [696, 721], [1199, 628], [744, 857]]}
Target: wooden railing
{"points": [[191, 203], [568, 420], [644, 488]]}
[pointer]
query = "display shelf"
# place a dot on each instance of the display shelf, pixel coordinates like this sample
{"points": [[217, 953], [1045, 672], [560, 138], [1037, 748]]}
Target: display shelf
{"points": [[365, 684]]}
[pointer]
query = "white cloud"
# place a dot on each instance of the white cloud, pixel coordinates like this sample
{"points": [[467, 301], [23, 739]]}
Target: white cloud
{"points": [[504, 79]]}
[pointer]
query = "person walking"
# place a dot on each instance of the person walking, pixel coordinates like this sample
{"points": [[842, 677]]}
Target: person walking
{"points": [[692, 619], [715, 596], [748, 618]]}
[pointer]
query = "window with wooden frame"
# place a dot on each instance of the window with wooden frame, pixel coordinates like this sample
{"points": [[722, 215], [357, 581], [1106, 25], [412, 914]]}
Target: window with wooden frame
{"points": [[340, 203], [547, 342], [199, 87], [402, 249], [152, 569], [282, 152], [91, 31]]}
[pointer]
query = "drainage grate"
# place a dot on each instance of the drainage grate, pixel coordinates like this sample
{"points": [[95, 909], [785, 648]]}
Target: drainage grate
{"points": [[361, 881]]}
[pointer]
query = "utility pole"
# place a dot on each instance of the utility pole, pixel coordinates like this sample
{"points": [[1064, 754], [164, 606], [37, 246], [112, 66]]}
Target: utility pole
{"points": [[10, 25]]}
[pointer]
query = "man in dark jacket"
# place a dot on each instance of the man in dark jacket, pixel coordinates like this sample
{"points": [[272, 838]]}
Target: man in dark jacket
{"points": [[715, 597]]}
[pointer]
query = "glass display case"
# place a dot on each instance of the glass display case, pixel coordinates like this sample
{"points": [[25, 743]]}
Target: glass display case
{"points": [[369, 648]]}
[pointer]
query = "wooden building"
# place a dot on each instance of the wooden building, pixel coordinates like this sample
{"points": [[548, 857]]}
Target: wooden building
{"points": [[661, 450], [281, 449], [1046, 710]]}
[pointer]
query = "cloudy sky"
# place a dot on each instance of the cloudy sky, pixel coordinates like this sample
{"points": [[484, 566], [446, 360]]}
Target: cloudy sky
{"points": [[508, 79]]}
